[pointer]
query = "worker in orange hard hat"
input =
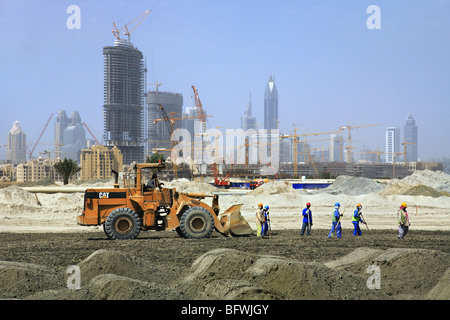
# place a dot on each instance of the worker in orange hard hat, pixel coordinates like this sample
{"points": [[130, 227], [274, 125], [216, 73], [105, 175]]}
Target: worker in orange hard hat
{"points": [[356, 219], [403, 221], [259, 219]]}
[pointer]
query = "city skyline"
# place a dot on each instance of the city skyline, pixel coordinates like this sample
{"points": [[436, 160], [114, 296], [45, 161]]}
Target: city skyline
{"points": [[329, 67]]}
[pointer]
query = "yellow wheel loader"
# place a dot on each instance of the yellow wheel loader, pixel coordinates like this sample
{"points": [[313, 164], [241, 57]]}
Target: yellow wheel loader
{"points": [[124, 212]]}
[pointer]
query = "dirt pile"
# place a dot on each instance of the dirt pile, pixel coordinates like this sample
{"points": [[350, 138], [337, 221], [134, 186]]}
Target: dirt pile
{"points": [[232, 274], [114, 275], [354, 186], [18, 279], [271, 188], [160, 265], [185, 185], [425, 182], [14, 198]]}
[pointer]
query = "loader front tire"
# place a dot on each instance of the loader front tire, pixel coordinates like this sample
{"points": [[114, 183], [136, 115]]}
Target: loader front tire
{"points": [[122, 224], [196, 223]]}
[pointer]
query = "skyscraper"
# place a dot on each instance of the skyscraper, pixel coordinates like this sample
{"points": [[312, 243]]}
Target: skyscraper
{"points": [[271, 105], [62, 121], [124, 99], [410, 132], [16, 144], [248, 121], [392, 143], [70, 136]]}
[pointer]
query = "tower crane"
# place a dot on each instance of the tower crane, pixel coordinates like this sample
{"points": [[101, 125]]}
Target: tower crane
{"points": [[202, 118], [157, 84], [296, 139], [199, 108], [170, 122], [349, 143], [404, 148], [378, 153], [127, 32]]}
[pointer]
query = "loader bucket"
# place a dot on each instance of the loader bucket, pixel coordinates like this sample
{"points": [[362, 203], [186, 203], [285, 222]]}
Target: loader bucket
{"points": [[234, 223]]}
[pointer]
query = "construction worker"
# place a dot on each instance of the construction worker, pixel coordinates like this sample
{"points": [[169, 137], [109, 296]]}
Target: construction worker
{"points": [[307, 220], [259, 219], [356, 219], [403, 221], [265, 225], [336, 221], [153, 182]]}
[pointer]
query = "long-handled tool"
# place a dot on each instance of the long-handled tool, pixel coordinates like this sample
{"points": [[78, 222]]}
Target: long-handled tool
{"points": [[270, 229], [339, 221], [309, 221], [365, 222]]}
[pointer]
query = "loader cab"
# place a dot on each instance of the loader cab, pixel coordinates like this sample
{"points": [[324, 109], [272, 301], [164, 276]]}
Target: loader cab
{"points": [[138, 178]]}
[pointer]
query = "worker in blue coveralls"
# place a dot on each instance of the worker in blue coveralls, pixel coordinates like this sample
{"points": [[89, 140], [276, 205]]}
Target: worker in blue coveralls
{"points": [[356, 219], [265, 225], [336, 221], [307, 220]]}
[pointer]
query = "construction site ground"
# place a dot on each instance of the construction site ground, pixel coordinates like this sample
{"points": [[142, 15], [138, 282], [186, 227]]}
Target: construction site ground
{"points": [[39, 243]]}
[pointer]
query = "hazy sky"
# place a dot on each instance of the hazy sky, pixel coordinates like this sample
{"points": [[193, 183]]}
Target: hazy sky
{"points": [[329, 67]]}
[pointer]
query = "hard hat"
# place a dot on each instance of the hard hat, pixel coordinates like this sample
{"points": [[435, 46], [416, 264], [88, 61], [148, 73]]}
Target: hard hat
{"points": [[404, 205], [308, 204], [337, 204], [260, 204], [266, 207], [359, 205]]}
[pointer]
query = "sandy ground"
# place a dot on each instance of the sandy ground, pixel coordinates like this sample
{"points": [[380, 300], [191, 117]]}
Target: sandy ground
{"points": [[39, 239]]}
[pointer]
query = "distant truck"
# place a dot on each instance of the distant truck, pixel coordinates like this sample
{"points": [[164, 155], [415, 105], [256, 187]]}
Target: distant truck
{"points": [[258, 182]]}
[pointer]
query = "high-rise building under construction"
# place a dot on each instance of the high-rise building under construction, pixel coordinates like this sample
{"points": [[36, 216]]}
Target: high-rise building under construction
{"points": [[123, 107]]}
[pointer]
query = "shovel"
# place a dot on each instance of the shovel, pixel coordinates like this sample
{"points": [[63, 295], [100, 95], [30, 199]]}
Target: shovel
{"points": [[364, 221]]}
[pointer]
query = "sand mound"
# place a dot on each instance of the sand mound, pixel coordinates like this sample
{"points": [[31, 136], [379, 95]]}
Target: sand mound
{"points": [[113, 275], [232, 274], [272, 187], [114, 262], [112, 287], [18, 279], [402, 270], [422, 190], [185, 185], [223, 274], [14, 198], [424, 182], [437, 180], [353, 186]]}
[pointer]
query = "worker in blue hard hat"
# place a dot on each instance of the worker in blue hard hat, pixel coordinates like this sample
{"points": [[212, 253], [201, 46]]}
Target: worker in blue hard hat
{"points": [[336, 221], [265, 225]]}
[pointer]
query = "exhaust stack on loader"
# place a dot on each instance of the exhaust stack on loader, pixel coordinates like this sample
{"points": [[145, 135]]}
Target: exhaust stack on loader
{"points": [[123, 212]]}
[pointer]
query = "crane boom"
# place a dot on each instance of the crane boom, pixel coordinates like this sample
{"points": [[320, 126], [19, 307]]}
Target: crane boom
{"points": [[349, 140], [40, 136], [96, 140], [127, 32], [200, 113]]}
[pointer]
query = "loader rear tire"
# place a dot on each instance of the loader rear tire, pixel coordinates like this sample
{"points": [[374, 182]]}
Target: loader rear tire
{"points": [[122, 224], [196, 223]]}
